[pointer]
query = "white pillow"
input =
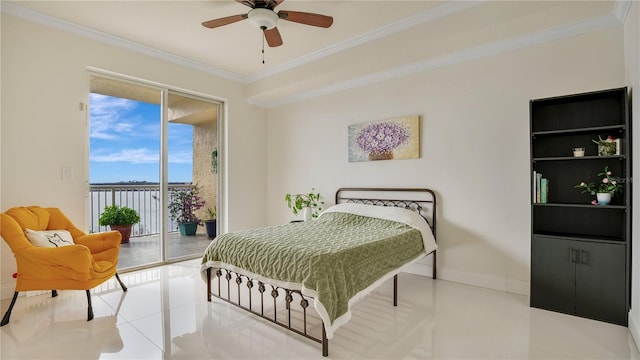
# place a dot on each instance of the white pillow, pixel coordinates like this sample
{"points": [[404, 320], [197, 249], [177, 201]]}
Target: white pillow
{"points": [[49, 238]]}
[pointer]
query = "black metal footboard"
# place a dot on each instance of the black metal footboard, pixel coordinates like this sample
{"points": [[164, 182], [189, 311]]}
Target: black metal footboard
{"points": [[230, 277]]}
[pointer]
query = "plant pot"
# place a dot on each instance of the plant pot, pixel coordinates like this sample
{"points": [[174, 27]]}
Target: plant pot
{"points": [[211, 228], [603, 198], [124, 230], [307, 213], [188, 229], [606, 150]]}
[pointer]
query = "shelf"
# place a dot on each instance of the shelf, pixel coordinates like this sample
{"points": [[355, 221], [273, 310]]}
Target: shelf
{"points": [[569, 229], [587, 206], [581, 238], [557, 158], [578, 130]]}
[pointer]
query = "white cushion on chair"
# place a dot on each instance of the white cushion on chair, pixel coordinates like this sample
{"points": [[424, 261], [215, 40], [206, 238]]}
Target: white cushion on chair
{"points": [[49, 238]]}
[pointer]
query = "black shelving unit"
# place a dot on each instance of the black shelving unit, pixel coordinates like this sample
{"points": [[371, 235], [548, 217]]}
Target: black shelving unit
{"points": [[580, 253]]}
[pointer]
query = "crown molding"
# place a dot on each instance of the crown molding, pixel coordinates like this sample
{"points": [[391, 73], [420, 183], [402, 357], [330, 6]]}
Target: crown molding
{"points": [[13, 9], [428, 15], [616, 17], [621, 9], [489, 49]]}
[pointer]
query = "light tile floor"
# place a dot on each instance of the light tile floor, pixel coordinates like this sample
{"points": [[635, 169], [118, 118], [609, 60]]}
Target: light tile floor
{"points": [[165, 315]]}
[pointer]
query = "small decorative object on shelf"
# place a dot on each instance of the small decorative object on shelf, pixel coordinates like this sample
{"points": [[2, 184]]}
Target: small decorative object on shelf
{"points": [[606, 146], [607, 187], [578, 152], [618, 146]]}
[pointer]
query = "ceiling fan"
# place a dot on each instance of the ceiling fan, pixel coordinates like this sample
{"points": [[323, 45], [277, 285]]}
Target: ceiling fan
{"points": [[265, 18]]}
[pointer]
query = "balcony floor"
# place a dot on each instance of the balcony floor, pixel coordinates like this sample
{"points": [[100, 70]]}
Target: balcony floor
{"points": [[142, 250]]}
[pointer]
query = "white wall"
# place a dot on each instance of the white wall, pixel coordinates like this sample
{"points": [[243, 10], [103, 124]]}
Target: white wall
{"points": [[475, 146], [44, 78], [632, 66]]}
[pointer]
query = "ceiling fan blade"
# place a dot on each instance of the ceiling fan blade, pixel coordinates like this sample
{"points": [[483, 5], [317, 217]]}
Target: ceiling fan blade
{"points": [[224, 21], [273, 37], [306, 18]]}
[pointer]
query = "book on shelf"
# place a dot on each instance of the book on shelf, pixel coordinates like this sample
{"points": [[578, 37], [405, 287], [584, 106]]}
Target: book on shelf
{"points": [[534, 188], [540, 190], [544, 190], [538, 181]]}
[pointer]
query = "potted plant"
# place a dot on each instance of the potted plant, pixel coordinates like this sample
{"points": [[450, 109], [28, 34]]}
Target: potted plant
{"points": [[606, 146], [210, 222], [119, 218], [605, 190], [309, 203], [182, 207]]}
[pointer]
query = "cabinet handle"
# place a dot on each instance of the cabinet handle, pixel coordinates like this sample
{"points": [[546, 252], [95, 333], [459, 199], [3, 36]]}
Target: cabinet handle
{"points": [[584, 259], [573, 256]]}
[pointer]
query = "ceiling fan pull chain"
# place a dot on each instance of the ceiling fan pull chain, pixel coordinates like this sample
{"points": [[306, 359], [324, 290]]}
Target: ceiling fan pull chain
{"points": [[263, 49]]}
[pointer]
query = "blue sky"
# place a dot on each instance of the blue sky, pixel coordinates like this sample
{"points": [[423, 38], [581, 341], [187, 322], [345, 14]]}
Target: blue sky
{"points": [[125, 142]]}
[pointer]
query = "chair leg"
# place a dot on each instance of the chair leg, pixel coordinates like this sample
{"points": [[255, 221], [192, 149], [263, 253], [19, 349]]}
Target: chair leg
{"points": [[90, 308], [124, 288], [7, 315], [54, 293]]}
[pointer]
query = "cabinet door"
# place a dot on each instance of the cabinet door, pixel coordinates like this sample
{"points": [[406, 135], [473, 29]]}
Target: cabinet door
{"points": [[601, 282], [552, 274]]}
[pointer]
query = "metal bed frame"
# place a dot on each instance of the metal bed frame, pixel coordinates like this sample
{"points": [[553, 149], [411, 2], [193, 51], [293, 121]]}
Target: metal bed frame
{"points": [[422, 201]]}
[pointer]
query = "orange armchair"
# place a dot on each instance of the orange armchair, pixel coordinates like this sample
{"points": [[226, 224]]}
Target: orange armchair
{"points": [[88, 263]]}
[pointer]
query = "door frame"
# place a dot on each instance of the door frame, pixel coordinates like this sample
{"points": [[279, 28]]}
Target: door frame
{"points": [[164, 89]]}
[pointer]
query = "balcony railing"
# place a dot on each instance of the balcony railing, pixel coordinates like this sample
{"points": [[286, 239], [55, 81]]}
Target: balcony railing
{"points": [[144, 198]]}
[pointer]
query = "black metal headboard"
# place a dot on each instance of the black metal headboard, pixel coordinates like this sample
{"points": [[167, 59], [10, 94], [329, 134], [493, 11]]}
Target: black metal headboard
{"points": [[422, 201]]}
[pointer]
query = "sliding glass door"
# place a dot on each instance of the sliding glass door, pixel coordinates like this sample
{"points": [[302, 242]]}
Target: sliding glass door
{"points": [[149, 147], [192, 138]]}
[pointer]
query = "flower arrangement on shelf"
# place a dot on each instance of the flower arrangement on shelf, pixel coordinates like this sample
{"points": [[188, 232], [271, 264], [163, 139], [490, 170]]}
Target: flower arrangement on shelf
{"points": [[183, 205], [606, 146], [608, 185], [381, 139]]}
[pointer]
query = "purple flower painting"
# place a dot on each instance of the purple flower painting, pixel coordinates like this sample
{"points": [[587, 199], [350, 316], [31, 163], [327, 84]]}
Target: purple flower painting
{"points": [[385, 140]]}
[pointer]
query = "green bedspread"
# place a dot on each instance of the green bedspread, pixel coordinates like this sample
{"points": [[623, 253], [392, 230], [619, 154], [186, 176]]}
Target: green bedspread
{"points": [[330, 259]]}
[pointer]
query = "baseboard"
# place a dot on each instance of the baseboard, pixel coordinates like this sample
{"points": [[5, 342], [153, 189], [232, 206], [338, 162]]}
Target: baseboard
{"points": [[489, 282], [419, 268], [634, 328], [423, 268], [518, 287]]}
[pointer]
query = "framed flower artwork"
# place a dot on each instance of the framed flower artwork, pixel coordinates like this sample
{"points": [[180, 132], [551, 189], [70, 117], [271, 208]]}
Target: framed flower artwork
{"points": [[391, 139]]}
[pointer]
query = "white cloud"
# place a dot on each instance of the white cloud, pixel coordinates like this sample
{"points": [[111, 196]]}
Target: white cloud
{"points": [[140, 156], [136, 156], [107, 120]]}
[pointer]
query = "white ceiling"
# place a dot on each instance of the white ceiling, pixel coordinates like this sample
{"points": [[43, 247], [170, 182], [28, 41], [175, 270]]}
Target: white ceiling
{"points": [[368, 39]]}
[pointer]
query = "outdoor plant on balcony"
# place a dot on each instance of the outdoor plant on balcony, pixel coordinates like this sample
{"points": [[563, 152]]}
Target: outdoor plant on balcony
{"points": [[183, 205], [119, 218], [118, 215]]}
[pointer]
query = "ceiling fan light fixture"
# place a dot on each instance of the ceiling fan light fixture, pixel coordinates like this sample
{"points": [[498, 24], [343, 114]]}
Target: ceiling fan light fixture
{"points": [[264, 19]]}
